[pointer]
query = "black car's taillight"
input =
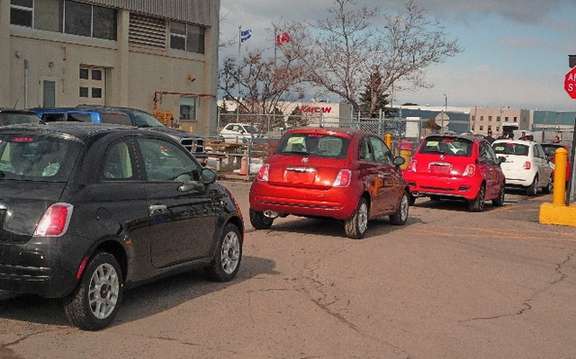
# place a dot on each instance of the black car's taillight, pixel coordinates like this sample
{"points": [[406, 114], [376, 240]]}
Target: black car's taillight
{"points": [[55, 221]]}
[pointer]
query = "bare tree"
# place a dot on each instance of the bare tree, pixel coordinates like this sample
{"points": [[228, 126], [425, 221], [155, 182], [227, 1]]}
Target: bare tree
{"points": [[257, 84], [339, 53]]}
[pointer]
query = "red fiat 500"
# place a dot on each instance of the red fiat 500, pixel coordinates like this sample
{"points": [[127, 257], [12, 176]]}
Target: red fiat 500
{"points": [[345, 175], [456, 167]]}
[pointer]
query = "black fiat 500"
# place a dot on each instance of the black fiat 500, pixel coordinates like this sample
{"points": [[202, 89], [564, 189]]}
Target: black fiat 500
{"points": [[87, 211]]}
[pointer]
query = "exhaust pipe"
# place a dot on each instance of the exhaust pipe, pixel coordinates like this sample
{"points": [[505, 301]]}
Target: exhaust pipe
{"points": [[271, 214]]}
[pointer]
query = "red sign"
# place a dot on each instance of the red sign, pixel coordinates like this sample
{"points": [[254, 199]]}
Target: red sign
{"points": [[282, 38], [570, 83], [315, 109]]}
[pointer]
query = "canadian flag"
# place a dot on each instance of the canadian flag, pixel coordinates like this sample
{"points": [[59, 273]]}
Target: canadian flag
{"points": [[282, 38]]}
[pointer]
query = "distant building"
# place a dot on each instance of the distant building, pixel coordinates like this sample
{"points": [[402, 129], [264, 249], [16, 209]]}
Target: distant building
{"points": [[554, 123], [148, 54], [316, 113], [498, 120], [454, 119]]}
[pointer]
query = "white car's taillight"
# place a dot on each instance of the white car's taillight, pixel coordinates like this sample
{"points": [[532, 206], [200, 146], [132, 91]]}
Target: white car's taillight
{"points": [[469, 171], [264, 173], [343, 179], [55, 221], [527, 165]]}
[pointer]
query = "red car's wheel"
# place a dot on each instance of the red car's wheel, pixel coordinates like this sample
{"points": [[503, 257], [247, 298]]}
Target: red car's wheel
{"points": [[477, 204]]}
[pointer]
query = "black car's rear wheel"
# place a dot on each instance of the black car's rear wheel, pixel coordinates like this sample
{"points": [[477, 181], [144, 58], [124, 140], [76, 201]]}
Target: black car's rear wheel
{"points": [[95, 302], [401, 216], [228, 255], [259, 220], [357, 226]]}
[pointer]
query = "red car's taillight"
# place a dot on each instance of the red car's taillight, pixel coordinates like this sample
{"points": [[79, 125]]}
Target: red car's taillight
{"points": [[264, 173], [413, 164], [343, 179], [469, 171], [527, 165], [55, 221]]}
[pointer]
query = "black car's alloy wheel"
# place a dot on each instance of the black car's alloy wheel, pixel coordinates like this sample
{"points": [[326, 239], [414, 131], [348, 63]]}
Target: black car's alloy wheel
{"points": [[228, 255], [95, 302]]}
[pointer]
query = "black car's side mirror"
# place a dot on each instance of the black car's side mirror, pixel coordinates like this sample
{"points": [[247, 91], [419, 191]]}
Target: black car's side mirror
{"points": [[399, 161], [207, 176], [501, 160]]}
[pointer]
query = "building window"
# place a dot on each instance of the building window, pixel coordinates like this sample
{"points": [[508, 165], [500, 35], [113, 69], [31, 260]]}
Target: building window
{"points": [[481, 118], [498, 119], [188, 108], [178, 36], [515, 119], [505, 119], [490, 118], [88, 20], [22, 12], [481, 128], [104, 23], [497, 129], [473, 118], [48, 15], [84, 73], [96, 92], [83, 91], [187, 37], [473, 128], [97, 75]]}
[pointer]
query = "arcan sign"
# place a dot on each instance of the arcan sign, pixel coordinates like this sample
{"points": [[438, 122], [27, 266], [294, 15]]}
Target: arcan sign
{"points": [[570, 83], [315, 109]]}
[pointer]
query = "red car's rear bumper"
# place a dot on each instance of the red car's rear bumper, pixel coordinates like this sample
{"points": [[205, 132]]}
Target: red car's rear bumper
{"points": [[337, 203], [429, 185]]}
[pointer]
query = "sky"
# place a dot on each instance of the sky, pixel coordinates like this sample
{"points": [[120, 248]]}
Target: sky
{"points": [[515, 52]]}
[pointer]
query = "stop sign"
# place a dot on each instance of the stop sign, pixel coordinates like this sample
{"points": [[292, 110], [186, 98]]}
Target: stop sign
{"points": [[570, 83]]}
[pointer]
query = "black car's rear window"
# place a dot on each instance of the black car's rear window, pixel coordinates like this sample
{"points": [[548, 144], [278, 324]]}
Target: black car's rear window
{"points": [[37, 157], [314, 145], [515, 149], [7, 119], [449, 146]]}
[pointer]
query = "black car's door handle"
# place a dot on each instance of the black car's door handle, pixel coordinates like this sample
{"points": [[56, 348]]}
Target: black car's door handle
{"points": [[157, 209]]}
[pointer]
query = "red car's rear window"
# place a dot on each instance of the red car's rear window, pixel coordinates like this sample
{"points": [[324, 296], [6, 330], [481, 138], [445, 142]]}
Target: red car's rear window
{"points": [[448, 146], [314, 145]]}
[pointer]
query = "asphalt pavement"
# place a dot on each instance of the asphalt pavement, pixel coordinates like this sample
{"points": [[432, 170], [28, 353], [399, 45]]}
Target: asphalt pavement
{"points": [[449, 284]]}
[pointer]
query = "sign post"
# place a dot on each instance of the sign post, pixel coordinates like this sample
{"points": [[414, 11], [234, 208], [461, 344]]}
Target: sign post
{"points": [[570, 87]]}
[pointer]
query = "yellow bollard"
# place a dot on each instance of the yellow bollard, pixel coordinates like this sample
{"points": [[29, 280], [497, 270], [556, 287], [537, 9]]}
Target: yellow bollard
{"points": [[388, 138], [561, 161], [557, 212]]}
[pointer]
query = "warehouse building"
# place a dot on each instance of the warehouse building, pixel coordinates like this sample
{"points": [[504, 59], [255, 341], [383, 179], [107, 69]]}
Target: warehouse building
{"points": [[149, 54]]}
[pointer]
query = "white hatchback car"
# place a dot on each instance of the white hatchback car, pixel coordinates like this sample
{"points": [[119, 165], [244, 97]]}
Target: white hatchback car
{"points": [[239, 133], [525, 166]]}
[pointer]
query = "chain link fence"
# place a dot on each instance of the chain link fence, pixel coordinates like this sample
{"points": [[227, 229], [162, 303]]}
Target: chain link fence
{"points": [[251, 137]]}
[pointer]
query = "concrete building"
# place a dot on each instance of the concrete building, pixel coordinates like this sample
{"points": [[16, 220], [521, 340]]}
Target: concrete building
{"points": [[148, 54], [498, 120]]}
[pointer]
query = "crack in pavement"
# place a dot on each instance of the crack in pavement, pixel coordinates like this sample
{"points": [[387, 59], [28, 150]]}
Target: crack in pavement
{"points": [[7, 353], [323, 302], [183, 342], [526, 305]]}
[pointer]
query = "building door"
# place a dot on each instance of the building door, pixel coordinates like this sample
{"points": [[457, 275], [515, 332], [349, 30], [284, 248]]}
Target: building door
{"points": [[48, 93], [92, 86]]}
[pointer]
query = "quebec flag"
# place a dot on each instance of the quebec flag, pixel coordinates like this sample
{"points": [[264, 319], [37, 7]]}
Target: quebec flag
{"points": [[245, 35]]}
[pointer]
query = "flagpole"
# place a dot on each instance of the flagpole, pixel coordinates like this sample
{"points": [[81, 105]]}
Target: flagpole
{"points": [[275, 45], [238, 68]]}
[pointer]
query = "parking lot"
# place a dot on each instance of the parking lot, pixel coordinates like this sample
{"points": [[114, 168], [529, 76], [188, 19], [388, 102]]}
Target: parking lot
{"points": [[449, 284]]}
